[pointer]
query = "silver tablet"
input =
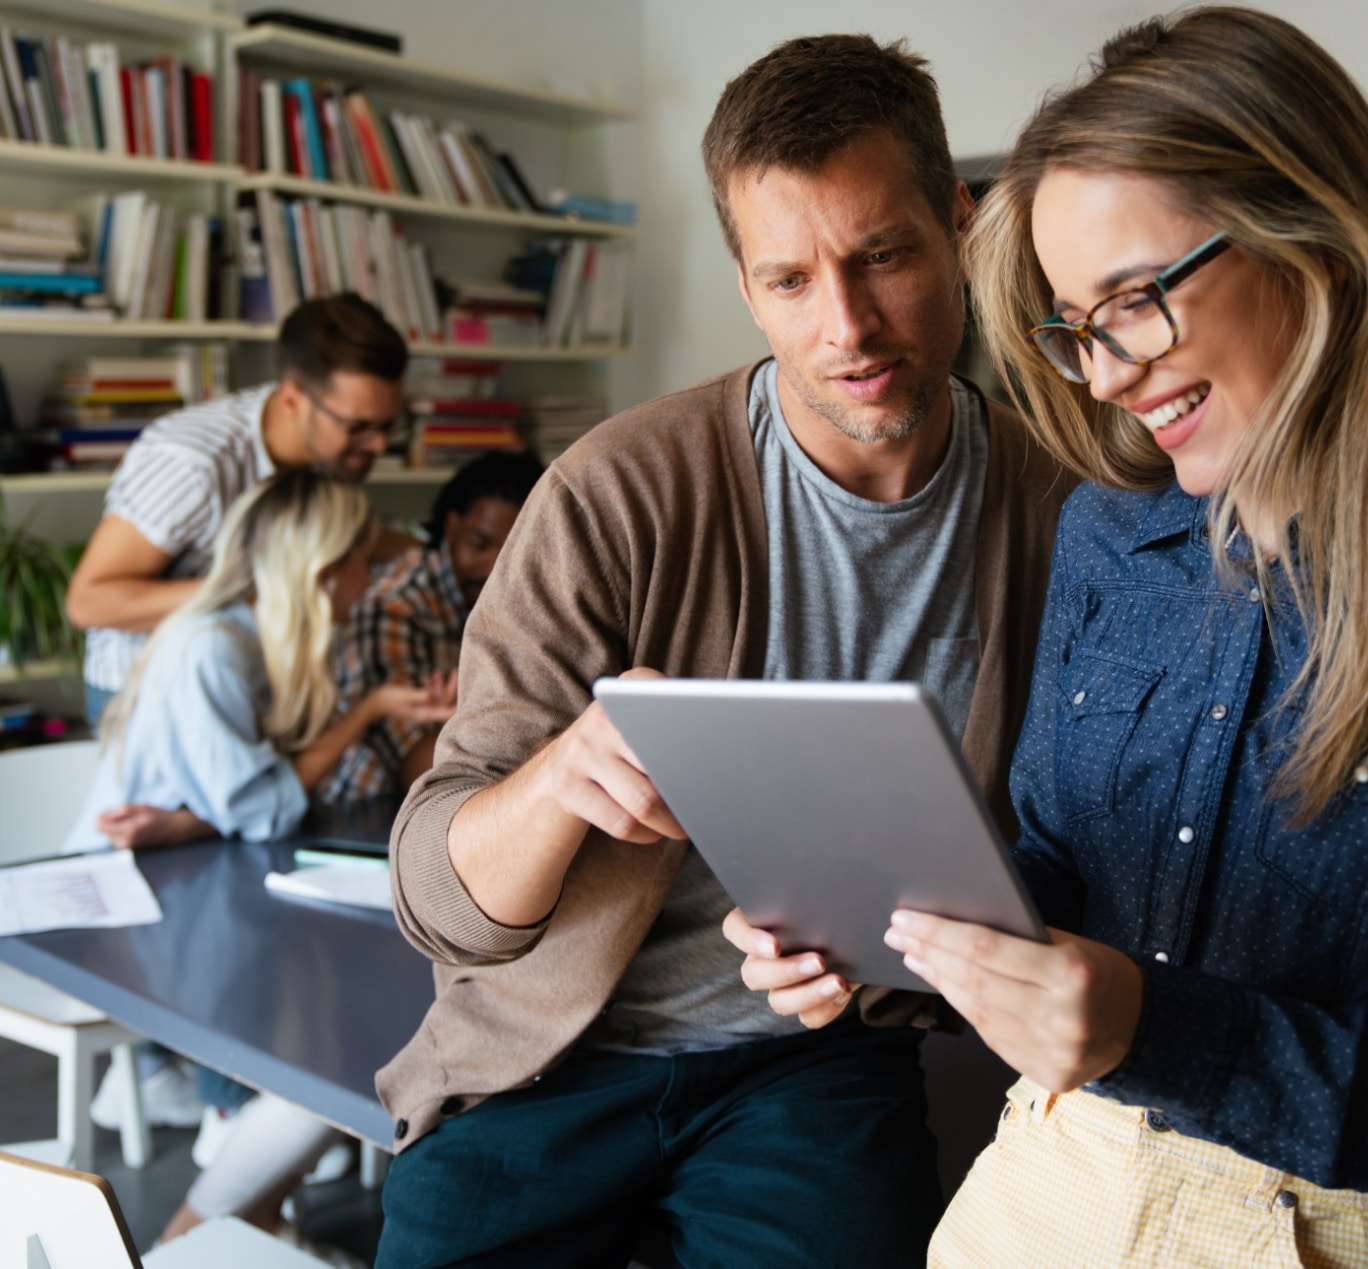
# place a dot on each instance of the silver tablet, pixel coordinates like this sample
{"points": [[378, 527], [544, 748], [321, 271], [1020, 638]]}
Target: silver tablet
{"points": [[821, 807]]}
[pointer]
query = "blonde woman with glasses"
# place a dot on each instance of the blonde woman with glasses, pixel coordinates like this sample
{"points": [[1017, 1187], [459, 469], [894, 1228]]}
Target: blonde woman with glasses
{"points": [[1173, 268], [228, 719]]}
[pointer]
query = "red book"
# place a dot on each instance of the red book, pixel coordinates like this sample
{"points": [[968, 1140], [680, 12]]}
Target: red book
{"points": [[142, 112], [371, 147], [131, 133], [202, 114], [295, 147]]}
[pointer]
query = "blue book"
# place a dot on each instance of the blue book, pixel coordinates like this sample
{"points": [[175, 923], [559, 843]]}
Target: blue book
{"points": [[302, 91], [50, 283]]}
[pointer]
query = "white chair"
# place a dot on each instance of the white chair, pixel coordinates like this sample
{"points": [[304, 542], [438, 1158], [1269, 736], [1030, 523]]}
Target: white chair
{"points": [[41, 789], [53, 1218]]}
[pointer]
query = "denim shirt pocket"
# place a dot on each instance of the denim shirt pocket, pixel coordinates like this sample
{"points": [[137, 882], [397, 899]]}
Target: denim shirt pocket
{"points": [[1101, 699]]}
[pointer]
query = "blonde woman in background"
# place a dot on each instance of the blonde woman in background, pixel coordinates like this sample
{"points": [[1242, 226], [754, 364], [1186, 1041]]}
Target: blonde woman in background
{"points": [[227, 720]]}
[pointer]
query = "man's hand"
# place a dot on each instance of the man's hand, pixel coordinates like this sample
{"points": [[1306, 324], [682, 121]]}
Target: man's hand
{"points": [[1062, 1013], [589, 773], [134, 825], [798, 985], [512, 842]]}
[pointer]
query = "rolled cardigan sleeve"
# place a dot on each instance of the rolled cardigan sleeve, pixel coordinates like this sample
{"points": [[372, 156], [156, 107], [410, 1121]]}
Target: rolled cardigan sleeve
{"points": [[232, 776], [549, 621]]}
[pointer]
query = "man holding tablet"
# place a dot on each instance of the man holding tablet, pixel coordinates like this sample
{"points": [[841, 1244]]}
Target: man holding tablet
{"points": [[845, 510]]}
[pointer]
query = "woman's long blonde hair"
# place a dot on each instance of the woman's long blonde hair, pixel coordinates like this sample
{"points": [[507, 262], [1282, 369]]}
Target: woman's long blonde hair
{"points": [[1254, 128], [272, 550]]}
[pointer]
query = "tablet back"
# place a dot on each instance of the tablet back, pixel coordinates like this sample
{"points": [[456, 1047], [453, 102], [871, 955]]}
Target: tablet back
{"points": [[821, 807]]}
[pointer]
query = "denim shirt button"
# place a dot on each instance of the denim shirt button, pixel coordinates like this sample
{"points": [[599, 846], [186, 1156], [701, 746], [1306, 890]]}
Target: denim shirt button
{"points": [[1161, 957], [1080, 697], [1255, 594], [1361, 775], [1186, 834], [1218, 712]]}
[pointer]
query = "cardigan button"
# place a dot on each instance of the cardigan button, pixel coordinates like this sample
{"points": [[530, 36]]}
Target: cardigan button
{"points": [[452, 1105], [401, 1130], [1286, 1198], [1156, 1121]]}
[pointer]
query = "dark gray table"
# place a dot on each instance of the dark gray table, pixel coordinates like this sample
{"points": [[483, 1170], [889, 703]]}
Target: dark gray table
{"points": [[303, 1000]]}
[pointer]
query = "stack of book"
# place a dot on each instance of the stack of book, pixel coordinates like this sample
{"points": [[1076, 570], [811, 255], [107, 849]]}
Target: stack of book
{"points": [[44, 267], [495, 313], [554, 423], [456, 412], [100, 405], [157, 263], [297, 249], [54, 92], [587, 286], [325, 132]]}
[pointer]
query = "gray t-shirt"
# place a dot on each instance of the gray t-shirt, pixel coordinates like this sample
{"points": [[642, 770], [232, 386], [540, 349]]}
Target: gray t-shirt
{"points": [[859, 591]]}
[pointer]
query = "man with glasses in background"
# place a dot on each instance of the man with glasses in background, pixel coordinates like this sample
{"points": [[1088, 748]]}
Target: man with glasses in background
{"points": [[339, 394]]}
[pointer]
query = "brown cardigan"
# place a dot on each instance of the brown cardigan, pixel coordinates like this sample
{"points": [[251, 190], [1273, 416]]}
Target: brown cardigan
{"points": [[644, 545]]}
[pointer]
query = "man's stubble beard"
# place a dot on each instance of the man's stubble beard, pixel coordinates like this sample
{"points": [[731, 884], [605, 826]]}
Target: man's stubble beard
{"points": [[846, 419]]}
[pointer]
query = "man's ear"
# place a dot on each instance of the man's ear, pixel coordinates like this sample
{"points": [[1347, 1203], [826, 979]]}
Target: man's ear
{"points": [[745, 291], [963, 208]]}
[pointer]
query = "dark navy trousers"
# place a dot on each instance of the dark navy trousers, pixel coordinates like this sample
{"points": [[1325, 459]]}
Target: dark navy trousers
{"points": [[807, 1150]]}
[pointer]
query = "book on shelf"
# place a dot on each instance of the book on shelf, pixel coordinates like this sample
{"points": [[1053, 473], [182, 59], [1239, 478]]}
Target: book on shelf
{"points": [[452, 380], [54, 91], [316, 130], [305, 248], [587, 285], [157, 263]]}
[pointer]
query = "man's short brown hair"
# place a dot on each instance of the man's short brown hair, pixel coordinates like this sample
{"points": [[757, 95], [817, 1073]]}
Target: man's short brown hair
{"points": [[811, 97], [339, 332]]}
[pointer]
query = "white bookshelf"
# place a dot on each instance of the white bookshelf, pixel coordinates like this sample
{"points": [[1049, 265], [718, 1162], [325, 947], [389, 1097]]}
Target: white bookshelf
{"points": [[306, 53], [425, 208], [19, 156], [134, 17]]}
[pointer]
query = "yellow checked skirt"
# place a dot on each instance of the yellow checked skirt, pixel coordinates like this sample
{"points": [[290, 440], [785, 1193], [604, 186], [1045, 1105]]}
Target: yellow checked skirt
{"points": [[1079, 1182]]}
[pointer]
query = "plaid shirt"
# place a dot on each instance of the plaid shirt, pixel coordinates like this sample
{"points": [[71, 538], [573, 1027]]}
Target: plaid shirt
{"points": [[408, 624]]}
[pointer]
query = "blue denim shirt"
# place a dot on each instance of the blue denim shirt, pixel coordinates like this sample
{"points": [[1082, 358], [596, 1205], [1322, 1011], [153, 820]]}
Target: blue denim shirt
{"points": [[1142, 781]]}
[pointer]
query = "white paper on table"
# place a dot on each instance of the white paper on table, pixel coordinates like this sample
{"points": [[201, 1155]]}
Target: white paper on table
{"points": [[362, 887], [83, 892]]}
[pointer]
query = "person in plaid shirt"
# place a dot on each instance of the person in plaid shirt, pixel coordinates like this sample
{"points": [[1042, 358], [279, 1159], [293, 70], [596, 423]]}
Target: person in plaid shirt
{"points": [[408, 626]]}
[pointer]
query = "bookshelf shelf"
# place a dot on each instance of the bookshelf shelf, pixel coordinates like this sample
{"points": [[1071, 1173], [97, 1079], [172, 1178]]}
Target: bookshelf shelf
{"points": [[318, 55], [21, 323], [61, 158], [262, 332], [96, 482], [142, 17], [425, 207]]}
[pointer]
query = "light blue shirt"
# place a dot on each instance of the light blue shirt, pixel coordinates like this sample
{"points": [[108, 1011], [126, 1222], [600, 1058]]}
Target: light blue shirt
{"points": [[194, 738]]}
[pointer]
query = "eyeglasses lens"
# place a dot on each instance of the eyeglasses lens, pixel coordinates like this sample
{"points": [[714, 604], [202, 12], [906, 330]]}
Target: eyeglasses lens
{"points": [[1133, 326]]}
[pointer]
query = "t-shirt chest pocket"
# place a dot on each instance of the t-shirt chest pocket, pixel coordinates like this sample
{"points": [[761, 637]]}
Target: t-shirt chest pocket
{"points": [[1100, 704]]}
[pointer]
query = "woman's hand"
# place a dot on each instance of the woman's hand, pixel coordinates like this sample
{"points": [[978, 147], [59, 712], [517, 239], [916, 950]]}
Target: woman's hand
{"points": [[434, 702], [134, 825], [798, 985], [1062, 1012]]}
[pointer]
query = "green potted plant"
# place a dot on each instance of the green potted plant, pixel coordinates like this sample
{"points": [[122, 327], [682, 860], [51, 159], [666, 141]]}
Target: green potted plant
{"points": [[33, 584]]}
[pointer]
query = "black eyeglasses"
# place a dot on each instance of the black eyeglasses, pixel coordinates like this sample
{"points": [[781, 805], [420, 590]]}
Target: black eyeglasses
{"points": [[360, 429], [1134, 325]]}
